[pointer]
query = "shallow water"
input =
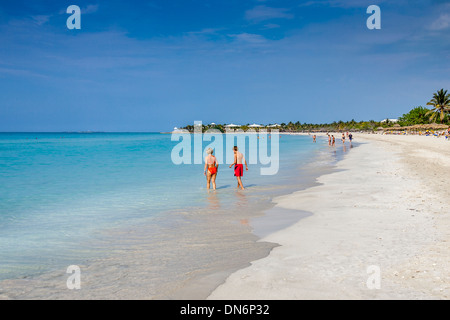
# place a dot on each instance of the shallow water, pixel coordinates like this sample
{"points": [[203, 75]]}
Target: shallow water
{"points": [[136, 224]]}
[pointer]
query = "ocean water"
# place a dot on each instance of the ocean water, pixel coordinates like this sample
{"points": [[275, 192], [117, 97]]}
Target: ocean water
{"points": [[99, 199]]}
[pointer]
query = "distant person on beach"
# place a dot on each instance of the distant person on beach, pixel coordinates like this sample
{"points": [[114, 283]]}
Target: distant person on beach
{"points": [[350, 137], [238, 166], [211, 167], [343, 138], [334, 140], [314, 138], [329, 139]]}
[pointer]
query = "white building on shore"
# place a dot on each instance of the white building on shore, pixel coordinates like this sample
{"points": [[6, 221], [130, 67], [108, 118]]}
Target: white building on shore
{"points": [[389, 120]]}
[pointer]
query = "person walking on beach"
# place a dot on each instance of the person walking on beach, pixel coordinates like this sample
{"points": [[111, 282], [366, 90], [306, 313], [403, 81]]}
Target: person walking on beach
{"points": [[334, 140], [329, 139], [238, 166], [350, 137], [211, 167], [314, 138], [343, 138]]}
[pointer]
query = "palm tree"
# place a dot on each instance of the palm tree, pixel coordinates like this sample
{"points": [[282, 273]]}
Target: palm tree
{"points": [[441, 105]]}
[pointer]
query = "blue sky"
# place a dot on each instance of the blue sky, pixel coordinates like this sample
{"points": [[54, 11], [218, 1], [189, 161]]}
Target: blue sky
{"points": [[153, 65]]}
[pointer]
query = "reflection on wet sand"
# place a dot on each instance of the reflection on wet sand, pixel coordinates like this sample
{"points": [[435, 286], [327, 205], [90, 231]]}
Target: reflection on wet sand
{"points": [[245, 222], [242, 204], [242, 201], [213, 200]]}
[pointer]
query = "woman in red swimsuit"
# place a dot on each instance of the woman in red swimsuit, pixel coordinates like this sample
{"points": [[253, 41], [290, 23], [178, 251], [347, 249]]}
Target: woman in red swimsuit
{"points": [[211, 167]]}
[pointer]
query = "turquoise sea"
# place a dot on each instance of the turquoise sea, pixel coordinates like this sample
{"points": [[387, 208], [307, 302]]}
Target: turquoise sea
{"points": [[72, 198]]}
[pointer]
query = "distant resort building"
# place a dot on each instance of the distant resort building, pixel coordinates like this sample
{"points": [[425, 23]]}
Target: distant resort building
{"points": [[228, 126], [389, 121]]}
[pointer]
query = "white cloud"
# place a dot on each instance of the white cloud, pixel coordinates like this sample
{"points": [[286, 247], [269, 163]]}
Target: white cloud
{"points": [[90, 8], [262, 13], [205, 31], [21, 73], [272, 26], [443, 22], [309, 3], [41, 19], [342, 3], [249, 37]]}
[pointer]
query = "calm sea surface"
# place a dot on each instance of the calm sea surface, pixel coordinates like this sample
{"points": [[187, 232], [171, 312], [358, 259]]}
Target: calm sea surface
{"points": [[69, 198]]}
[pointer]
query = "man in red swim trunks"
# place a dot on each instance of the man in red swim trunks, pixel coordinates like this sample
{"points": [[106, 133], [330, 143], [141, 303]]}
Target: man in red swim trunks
{"points": [[238, 167]]}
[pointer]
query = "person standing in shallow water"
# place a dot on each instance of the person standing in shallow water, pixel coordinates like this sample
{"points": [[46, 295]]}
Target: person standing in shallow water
{"points": [[211, 167], [238, 166]]}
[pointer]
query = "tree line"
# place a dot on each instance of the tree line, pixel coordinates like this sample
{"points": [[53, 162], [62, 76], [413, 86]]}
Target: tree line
{"points": [[439, 112]]}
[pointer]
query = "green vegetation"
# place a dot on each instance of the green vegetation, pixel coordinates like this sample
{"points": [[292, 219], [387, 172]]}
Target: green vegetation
{"points": [[305, 127], [418, 115], [441, 106]]}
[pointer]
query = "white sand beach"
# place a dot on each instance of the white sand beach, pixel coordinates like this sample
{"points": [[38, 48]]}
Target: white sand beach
{"points": [[386, 205]]}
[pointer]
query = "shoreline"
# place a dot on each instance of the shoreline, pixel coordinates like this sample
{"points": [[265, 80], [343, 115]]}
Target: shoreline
{"points": [[378, 205], [376, 209], [269, 220], [116, 275]]}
